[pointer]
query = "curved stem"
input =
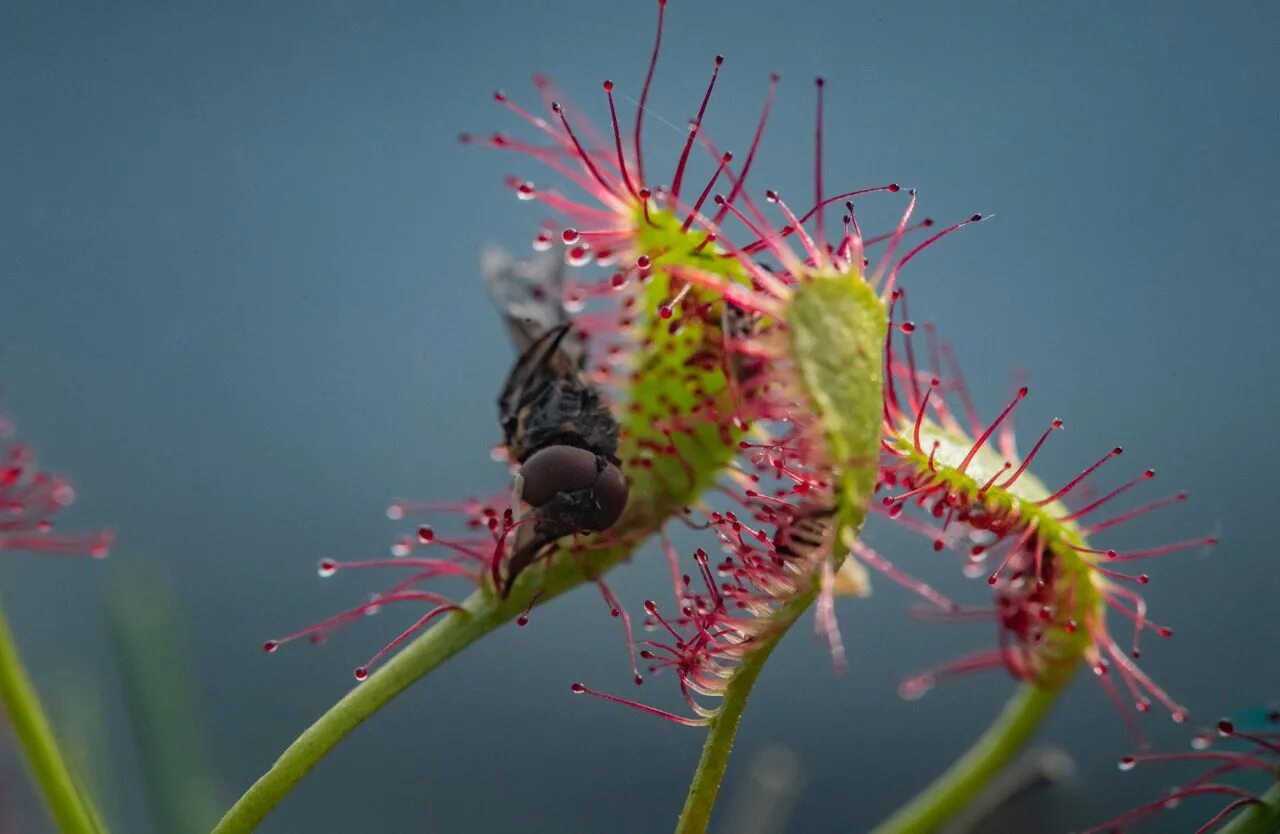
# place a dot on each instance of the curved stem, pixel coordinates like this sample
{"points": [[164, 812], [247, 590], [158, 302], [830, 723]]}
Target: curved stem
{"points": [[696, 815], [69, 808], [481, 613], [1260, 818], [966, 777]]}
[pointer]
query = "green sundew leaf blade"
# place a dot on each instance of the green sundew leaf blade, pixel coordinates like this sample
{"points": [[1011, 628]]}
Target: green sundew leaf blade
{"points": [[838, 327]]}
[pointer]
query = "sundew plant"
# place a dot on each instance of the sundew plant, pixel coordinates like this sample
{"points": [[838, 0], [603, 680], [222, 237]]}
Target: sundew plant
{"points": [[699, 357]]}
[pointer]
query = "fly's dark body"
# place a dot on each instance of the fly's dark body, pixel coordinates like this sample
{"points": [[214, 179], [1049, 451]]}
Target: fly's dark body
{"points": [[555, 423], [547, 402], [804, 534]]}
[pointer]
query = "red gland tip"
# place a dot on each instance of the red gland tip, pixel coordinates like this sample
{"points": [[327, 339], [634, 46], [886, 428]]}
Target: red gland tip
{"points": [[426, 534], [361, 673], [270, 646], [1226, 728], [719, 60], [975, 218], [577, 688], [608, 85], [820, 81], [893, 188], [498, 95]]}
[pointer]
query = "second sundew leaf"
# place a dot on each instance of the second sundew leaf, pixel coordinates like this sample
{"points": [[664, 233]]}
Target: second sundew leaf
{"points": [[835, 326], [1052, 585], [1062, 645]]}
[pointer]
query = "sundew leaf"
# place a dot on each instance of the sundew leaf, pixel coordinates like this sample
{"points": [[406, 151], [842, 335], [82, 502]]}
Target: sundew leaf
{"points": [[1064, 645], [679, 433], [836, 325]]}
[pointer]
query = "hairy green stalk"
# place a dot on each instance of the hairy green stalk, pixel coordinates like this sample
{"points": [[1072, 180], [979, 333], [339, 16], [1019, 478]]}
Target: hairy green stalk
{"points": [[69, 807], [696, 815], [836, 326], [481, 613], [966, 778]]}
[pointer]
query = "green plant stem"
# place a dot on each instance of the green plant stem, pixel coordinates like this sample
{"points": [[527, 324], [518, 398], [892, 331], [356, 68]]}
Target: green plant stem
{"points": [[69, 808], [458, 630], [698, 805], [1260, 818], [967, 776], [481, 613]]}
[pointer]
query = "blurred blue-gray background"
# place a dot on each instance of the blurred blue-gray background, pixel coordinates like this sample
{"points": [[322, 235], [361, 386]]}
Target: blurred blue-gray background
{"points": [[239, 305]]}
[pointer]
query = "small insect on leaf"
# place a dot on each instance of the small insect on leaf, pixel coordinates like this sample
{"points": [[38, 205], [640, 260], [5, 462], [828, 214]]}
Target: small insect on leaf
{"points": [[556, 425]]}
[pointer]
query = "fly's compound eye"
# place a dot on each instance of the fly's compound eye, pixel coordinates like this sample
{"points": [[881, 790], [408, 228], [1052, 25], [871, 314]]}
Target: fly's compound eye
{"points": [[557, 470], [611, 491]]}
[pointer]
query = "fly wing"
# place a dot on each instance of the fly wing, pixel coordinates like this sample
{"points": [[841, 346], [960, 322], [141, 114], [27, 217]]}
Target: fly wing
{"points": [[529, 293], [541, 363]]}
